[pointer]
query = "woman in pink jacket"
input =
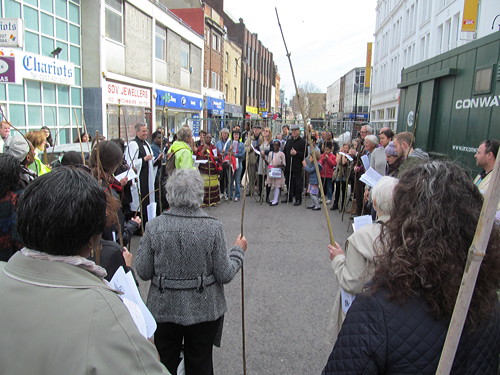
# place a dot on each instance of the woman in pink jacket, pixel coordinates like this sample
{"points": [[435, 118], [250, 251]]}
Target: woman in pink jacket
{"points": [[328, 161]]}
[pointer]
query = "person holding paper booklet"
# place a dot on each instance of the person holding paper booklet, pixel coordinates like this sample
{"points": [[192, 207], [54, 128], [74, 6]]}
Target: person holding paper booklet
{"points": [[183, 252], [58, 315], [275, 163], [399, 326], [340, 176], [110, 157], [355, 268], [140, 156], [224, 147]]}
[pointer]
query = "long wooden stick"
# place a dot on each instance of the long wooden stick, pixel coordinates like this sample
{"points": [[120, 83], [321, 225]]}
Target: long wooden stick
{"points": [[79, 136], [477, 251], [308, 135], [243, 343]]}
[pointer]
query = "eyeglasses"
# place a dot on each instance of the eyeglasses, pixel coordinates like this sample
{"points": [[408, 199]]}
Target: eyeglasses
{"points": [[363, 132]]}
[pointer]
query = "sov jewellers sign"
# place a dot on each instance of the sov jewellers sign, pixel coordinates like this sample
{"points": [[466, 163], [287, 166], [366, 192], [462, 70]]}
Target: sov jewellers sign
{"points": [[117, 93]]}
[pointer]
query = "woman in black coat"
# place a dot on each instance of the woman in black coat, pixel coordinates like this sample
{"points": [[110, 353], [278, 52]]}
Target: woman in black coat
{"points": [[400, 327]]}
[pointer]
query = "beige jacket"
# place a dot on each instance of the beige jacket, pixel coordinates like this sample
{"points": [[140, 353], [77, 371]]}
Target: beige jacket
{"points": [[353, 271], [56, 318]]}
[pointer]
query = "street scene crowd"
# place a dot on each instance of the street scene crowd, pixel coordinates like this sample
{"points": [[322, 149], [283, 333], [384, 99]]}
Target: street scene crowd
{"points": [[65, 229]]}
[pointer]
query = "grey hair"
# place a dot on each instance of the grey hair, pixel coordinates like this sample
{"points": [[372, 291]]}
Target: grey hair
{"points": [[184, 133], [368, 128], [185, 188], [224, 130], [138, 126], [382, 194], [372, 138]]}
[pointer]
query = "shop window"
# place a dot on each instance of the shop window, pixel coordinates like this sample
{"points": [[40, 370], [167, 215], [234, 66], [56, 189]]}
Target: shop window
{"points": [[74, 34], [47, 24], [114, 20], [78, 77], [30, 18], [12, 9], [62, 94], [16, 115], [16, 93], [482, 81], [33, 91], [61, 8], [47, 5], [61, 30], [49, 93], [34, 116], [64, 118], [31, 42], [49, 117], [76, 96], [74, 13], [161, 43], [47, 46], [184, 55], [74, 53]]}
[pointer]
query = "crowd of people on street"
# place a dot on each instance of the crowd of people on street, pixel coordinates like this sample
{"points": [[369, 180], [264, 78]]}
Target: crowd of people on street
{"points": [[66, 226]]}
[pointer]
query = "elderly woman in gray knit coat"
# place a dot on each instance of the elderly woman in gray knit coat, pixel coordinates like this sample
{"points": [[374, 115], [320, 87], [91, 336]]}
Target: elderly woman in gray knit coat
{"points": [[183, 252]]}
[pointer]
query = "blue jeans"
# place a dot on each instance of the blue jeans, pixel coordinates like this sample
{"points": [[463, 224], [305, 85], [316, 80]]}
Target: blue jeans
{"points": [[328, 186], [235, 181]]}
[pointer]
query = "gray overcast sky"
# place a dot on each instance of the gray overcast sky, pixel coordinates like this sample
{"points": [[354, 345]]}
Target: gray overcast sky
{"points": [[326, 38]]}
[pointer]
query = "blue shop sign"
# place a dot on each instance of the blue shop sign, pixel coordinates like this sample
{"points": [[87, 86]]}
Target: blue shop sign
{"points": [[174, 100], [216, 106], [196, 124]]}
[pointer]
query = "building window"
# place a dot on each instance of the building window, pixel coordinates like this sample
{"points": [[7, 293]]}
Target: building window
{"points": [[226, 92], [380, 114], [161, 43], [215, 42], [391, 113], [482, 82], [184, 55], [114, 20], [227, 62], [215, 83], [235, 96], [235, 67]]}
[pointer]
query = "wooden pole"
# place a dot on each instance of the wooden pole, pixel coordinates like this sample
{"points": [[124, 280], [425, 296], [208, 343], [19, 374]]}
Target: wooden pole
{"points": [[477, 251], [243, 343], [79, 136], [308, 135]]}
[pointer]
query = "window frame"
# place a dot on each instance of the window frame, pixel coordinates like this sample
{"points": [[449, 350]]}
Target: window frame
{"points": [[120, 14]]}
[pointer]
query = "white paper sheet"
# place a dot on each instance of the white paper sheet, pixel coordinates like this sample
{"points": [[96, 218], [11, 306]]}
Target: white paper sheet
{"points": [[349, 157], [361, 221], [124, 282], [151, 210], [256, 151], [347, 300], [370, 177], [214, 151], [130, 174], [366, 161]]}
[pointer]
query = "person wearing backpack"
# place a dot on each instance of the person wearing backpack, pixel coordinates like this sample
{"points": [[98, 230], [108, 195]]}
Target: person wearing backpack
{"points": [[181, 150]]}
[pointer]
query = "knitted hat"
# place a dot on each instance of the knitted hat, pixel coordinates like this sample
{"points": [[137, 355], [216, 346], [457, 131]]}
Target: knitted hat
{"points": [[18, 148], [390, 149], [295, 127]]}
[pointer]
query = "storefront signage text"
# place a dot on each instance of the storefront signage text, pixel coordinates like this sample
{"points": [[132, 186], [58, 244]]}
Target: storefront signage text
{"points": [[117, 93]]}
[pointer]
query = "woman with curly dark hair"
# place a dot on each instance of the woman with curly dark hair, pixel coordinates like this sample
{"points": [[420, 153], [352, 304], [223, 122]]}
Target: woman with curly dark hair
{"points": [[400, 327]]}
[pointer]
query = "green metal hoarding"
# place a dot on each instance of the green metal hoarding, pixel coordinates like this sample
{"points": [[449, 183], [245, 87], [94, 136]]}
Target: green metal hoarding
{"points": [[451, 102]]}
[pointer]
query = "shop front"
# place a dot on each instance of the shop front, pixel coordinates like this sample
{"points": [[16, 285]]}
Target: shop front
{"points": [[214, 114], [252, 113], [233, 111], [126, 106], [173, 109]]}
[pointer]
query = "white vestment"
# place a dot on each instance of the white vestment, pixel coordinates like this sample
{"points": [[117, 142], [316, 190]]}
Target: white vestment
{"points": [[132, 158]]}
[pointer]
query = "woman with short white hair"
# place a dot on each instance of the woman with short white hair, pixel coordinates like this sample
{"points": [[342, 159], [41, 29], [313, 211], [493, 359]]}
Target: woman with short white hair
{"points": [[183, 252], [355, 268]]}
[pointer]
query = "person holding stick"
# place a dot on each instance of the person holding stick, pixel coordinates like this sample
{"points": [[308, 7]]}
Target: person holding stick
{"points": [[400, 326], [294, 153]]}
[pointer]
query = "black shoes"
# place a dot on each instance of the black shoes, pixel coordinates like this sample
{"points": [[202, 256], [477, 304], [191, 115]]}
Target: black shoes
{"points": [[297, 203], [334, 207], [273, 204]]}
